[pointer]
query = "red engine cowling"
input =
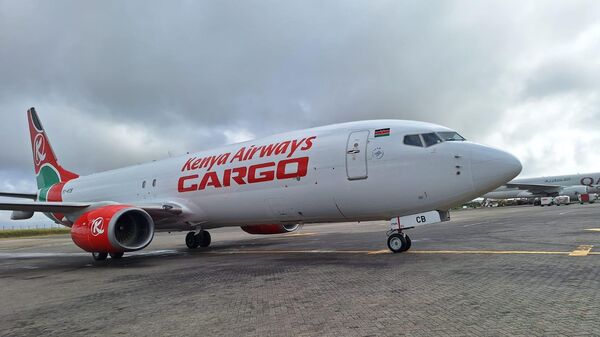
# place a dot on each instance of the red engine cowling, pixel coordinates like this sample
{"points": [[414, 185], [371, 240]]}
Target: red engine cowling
{"points": [[269, 229], [112, 229]]}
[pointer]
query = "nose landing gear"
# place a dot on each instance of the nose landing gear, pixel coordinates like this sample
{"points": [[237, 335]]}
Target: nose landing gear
{"points": [[398, 242], [194, 240]]}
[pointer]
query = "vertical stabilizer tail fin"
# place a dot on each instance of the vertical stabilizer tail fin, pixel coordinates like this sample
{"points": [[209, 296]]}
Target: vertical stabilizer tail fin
{"points": [[47, 170]]}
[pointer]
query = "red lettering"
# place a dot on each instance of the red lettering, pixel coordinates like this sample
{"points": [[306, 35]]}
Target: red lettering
{"points": [[267, 150], [254, 150], [282, 147], [241, 173], [239, 155], [205, 162], [295, 145], [196, 164], [263, 176], [223, 158], [210, 179], [227, 177], [181, 185], [309, 143], [248, 152], [186, 166], [213, 160], [285, 169], [301, 168]]}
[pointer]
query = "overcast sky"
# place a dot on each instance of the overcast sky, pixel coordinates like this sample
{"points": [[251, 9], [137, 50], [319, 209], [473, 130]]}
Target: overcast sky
{"points": [[122, 82]]}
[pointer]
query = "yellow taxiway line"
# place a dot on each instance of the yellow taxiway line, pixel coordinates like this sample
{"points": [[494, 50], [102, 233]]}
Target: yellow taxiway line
{"points": [[580, 251]]}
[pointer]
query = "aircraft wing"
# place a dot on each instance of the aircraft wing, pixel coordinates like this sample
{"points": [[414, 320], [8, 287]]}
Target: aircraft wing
{"points": [[158, 211], [535, 188], [45, 207]]}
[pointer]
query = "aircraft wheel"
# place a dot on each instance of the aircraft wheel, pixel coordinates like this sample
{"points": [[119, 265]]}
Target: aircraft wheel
{"points": [[99, 256], [204, 239], [396, 243], [116, 255], [190, 240], [408, 243]]}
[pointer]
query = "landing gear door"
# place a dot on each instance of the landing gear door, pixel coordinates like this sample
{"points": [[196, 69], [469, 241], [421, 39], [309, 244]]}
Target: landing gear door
{"points": [[356, 155]]}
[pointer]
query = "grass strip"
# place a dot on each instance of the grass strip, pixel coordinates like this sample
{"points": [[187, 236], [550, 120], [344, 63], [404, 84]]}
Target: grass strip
{"points": [[19, 233]]}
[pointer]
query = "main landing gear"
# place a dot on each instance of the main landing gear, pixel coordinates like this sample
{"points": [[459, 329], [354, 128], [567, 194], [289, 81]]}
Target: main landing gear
{"points": [[194, 240], [98, 256], [398, 241]]}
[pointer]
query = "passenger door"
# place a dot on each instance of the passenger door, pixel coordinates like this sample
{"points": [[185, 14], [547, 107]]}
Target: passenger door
{"points": [[356, 155]]}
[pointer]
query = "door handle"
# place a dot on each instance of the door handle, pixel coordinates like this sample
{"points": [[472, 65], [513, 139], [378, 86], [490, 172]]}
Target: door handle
{"points": [[354, 151]]}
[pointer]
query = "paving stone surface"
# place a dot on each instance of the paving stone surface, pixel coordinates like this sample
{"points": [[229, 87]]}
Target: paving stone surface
{"points": [[329, 280]]}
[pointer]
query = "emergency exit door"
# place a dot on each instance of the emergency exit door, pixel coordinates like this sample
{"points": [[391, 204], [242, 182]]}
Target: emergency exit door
{"points": [[356, 155]]}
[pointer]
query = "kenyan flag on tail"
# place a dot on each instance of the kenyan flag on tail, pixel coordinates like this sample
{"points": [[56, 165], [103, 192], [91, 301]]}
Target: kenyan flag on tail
{"points": [[47, 170]]}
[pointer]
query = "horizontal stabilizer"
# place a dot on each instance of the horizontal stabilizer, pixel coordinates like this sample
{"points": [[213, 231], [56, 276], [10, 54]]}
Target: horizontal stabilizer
{"points": [[31, 196], [45, 207]]}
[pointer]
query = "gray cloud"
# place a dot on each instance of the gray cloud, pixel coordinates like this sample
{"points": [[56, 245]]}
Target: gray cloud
{"points": [[117, 83]]}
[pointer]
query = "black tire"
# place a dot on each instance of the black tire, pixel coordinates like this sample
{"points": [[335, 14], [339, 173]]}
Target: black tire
{"points": [[99, 256], [116, 255], [190, 240], [204, 239], [396, 243], [408, 242]]}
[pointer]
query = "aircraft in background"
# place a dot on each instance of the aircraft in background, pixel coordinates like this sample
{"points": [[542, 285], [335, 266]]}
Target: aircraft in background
{"points": [[572, 185], [407, 172]]}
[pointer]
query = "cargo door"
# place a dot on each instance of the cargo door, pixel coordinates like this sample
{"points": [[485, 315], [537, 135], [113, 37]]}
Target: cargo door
{"points": [[356, 155]]}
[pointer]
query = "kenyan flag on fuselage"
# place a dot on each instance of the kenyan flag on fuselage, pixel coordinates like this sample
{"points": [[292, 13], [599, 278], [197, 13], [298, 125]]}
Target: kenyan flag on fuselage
{"points": [[50, 176], [382, 132]]}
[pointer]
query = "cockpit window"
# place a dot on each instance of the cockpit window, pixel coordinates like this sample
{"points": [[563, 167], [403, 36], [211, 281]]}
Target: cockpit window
{"points": [[450, 136], [413, 140], [431, 139]]}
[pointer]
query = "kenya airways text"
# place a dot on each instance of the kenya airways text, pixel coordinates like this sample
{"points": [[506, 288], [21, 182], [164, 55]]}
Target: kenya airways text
{"points": [[284, 169]]}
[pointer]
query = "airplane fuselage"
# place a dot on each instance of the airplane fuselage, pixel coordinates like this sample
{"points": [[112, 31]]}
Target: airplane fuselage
{"points": [[341, 172]]}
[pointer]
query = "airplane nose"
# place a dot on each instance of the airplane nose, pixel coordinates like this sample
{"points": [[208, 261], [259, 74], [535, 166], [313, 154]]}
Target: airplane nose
{"points": [[491, 168]]}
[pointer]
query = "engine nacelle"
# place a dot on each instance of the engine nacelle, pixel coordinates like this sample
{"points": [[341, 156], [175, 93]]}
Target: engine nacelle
{"points": [[269, 229], [113, 229], [574, 191]]}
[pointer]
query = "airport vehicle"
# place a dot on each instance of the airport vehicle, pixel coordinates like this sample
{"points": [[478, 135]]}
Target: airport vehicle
{"points": [[546, 201], [562, 200], [588, 197], [409, 172], [570, 185]]}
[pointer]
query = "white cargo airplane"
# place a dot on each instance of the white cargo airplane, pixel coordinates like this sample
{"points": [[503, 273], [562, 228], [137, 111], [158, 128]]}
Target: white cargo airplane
{"points": [[409, 172], [571, 185]]}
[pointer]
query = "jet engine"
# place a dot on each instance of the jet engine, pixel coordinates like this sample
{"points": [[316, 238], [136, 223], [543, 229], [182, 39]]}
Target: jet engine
{"points": [[270, 229], [574, 191], [113, 229]]}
